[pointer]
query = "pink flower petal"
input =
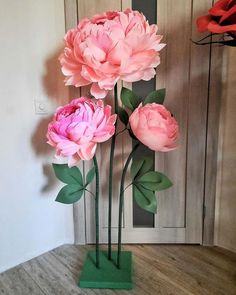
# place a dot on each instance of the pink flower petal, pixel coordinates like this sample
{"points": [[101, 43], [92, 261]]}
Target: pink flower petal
{"points": [[73, 160], [97, 92], [67, 147], [87, 151]]}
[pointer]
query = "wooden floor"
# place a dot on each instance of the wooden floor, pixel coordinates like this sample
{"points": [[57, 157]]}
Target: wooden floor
{"points": [[158, 269]]}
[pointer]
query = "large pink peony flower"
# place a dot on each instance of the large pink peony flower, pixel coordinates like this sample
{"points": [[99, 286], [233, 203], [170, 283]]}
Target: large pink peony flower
{"points": [[154, 126], [109, 47], [77, 128]]}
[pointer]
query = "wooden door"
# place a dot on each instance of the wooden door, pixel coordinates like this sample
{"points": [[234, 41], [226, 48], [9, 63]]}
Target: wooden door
{"points": [[184, 72]]}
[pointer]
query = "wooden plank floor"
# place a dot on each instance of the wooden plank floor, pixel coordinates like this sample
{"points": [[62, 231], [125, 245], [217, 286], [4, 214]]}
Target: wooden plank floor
{"points": [[158, 269]]}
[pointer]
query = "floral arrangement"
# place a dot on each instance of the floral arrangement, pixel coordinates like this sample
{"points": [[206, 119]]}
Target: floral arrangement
{"points": [[221, 19], [100, 51]]}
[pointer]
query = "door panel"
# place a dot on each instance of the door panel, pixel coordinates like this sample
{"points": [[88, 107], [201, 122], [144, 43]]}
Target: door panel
{"points": [[173, 74]]}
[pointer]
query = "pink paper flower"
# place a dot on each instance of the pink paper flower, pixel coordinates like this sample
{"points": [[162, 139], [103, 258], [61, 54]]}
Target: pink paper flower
{"points": [[109, 47], [77, 128], [154, 126]]}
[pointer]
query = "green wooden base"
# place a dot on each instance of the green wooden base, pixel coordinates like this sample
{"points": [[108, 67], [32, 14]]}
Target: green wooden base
{"points": [[108, 276]]}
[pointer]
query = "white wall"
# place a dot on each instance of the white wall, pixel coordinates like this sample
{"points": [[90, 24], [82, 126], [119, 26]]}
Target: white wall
{"points": [[225, 219], [31, 223]]}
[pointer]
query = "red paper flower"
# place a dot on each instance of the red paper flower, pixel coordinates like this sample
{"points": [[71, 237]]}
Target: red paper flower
{"points": [[221, 18]]}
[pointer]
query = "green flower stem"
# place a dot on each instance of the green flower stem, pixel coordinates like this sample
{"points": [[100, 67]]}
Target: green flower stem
{"points": [[97, 211], [121, 201], [110, 183]]}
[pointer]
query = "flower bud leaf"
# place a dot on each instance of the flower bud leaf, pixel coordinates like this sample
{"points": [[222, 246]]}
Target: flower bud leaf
{"points": [[141, 165], [70, 194], [68, 175], [156, 96], [90, 176], [154, 181], [145, 198], [123, 115], [129, 98], [136, 166]]}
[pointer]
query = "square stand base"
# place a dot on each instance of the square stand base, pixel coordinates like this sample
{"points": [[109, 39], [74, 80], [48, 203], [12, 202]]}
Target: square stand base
{"points": [[108, 276]]}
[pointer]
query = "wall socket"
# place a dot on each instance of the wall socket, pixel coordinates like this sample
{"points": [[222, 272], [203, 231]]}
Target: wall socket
{"points": [[41, 107]]}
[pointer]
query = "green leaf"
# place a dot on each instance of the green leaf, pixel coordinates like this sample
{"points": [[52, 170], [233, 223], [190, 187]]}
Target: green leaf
{"points": [[70, 194], [148, 164], [90, 176], [136, 166], [141, 166], [129, 98], [68, 175], [123, 115], [154, 181], [156, 96], [146, 199]]}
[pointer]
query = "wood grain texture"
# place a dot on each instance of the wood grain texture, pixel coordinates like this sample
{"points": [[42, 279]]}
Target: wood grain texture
{"points": [[173, 74], [128, 194], [70, 13], [161, 269], [89, 8], [126, 149], [126, 4], [52, 276], [188, 66], [215, 87], [71, 20], [18, 282], [225, 217], [197, 130]]}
